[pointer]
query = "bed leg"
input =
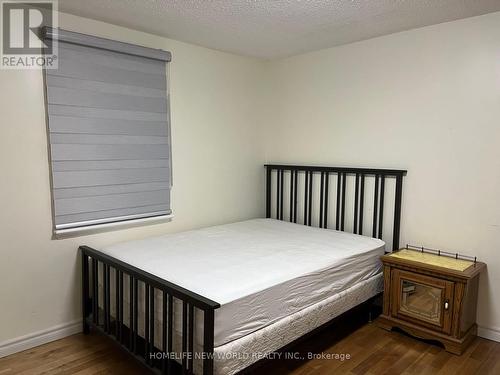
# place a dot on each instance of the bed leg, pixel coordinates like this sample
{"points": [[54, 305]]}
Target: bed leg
{"points": [[374, 308], [85, 293], [208, 342]]}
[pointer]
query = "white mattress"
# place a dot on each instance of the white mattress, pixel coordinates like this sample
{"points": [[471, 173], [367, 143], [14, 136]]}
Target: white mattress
{"points": [[260, 271]]}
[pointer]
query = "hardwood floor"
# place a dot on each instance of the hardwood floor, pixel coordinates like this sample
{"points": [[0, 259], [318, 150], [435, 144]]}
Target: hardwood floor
{"points": [[372, 351], [375, 351], [78, 354]]}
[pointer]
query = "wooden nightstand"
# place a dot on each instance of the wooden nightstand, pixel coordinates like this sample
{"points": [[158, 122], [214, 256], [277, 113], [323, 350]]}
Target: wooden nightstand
{"points": [[431, 296]]}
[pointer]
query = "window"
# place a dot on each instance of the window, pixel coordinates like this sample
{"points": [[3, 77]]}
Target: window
{"points": [[109, 132]]}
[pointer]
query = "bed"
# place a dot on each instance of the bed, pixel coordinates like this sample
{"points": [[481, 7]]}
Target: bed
{"points": [[219, 299]]}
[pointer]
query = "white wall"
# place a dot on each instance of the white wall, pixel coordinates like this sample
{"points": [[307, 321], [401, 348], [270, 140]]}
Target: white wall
{"points": [[218, 173], [426, 100]]}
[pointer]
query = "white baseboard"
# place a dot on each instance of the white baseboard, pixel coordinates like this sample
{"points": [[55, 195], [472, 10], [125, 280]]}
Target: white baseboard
{"points": [[489, 333], [38, 338]]}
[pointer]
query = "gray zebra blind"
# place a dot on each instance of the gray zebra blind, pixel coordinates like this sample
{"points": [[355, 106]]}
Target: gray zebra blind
{"points": [[109, 135]]}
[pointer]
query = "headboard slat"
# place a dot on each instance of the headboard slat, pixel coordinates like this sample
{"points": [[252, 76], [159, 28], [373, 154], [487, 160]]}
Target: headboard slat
{"points": [[361, 204], [375, 207], [325, 211], [356, 203], [381, 206], [321, 198], [342, 213]]}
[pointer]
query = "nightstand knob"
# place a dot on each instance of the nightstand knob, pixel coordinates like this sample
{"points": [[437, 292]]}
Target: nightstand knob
{"points": [[446, 305]]}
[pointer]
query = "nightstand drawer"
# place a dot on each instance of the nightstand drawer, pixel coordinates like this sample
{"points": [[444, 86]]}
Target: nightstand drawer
{"points": [[421, 299]]}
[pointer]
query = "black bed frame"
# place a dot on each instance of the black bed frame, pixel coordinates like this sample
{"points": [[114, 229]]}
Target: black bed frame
{"points": [[127, 336]]}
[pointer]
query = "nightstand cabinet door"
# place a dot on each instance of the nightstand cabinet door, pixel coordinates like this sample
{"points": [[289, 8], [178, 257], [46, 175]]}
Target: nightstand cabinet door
{"points": [[424, 300]]}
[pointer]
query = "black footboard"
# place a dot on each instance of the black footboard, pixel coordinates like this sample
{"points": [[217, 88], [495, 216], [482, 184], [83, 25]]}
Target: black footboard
{"points": [[165, 360]]}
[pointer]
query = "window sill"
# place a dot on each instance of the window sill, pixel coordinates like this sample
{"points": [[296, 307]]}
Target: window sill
{"points": [[107, 227]]}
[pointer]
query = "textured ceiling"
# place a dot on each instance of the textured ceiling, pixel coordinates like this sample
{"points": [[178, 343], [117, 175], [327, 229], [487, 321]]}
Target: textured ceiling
{"points": [[275, 28]]}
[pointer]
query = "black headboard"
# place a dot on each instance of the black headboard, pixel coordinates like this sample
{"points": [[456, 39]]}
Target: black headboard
{"points": [[308, 179]]}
